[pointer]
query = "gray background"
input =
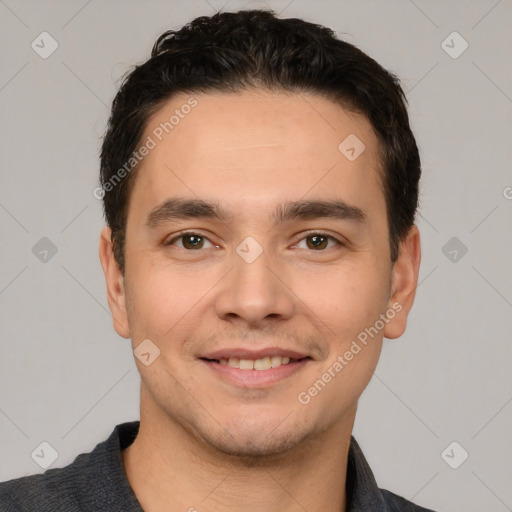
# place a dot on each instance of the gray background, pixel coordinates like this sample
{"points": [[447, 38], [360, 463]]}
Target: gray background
{"points": [[65, 376]]}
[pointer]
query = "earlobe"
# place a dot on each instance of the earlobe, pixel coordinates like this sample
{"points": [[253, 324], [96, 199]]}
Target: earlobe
{"points": [[114, 281], [404, 283]]}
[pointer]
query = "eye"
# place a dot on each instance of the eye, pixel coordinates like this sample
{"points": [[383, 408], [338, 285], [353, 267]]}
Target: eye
{"points": [[190, 241], [318, 242]]}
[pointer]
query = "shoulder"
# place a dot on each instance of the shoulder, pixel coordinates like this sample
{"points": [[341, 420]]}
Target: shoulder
{"points": [[54, 490], [396, 503], [92, 478], [363, 491]]}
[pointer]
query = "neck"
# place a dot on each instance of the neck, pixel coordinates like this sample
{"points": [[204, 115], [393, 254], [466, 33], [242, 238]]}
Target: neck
{"points": [[169, 469]]}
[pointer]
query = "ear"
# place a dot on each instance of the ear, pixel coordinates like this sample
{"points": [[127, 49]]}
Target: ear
{"points": [[404, 282], [115, 284]]}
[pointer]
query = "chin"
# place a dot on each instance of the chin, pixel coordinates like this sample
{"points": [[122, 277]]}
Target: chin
{"points": [[255, 442]]}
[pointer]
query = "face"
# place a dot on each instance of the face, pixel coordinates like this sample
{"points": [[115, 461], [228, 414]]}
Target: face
{"points": [[258, 265]]}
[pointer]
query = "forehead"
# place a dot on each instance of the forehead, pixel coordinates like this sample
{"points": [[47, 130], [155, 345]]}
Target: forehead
{"points": [[258, 145]]}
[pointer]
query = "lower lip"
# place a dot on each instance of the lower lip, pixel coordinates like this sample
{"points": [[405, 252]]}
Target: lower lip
{"points": [[255, 378]]}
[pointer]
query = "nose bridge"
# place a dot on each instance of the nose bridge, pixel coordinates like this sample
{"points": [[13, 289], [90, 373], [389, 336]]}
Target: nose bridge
{"points": [[252, 290]]}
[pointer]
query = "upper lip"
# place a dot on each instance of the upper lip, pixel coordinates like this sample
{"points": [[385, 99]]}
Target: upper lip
{"points": [[242, 353]]}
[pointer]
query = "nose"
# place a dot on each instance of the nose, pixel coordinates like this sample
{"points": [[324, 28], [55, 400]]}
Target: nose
{"points": [[255, 293]]}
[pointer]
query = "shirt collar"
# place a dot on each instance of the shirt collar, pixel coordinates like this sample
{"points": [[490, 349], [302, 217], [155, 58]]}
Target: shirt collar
{"points": [[363, 494]]}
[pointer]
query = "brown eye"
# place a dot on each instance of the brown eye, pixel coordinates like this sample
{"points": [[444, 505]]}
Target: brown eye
{"points": [[190, 241], [316, 242], [193, 241]]}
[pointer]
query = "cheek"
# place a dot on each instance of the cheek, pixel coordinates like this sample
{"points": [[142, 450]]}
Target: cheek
{"points": [[164, 300], [344, 299]]}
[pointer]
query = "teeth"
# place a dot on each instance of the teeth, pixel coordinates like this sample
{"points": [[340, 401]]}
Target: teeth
{"points": [[246, 364], [263, 364], [259, 364], [276, 361]]}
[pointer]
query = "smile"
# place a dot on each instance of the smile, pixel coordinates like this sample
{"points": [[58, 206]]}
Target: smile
{"points": [[256, 373], [264, 363]]}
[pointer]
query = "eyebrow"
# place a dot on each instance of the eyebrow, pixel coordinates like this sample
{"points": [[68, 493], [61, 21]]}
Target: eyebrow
{"points": [[317, 209], [177, 208]]}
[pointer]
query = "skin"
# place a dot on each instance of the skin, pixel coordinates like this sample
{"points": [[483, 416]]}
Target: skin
{"points": [[207, 444]]}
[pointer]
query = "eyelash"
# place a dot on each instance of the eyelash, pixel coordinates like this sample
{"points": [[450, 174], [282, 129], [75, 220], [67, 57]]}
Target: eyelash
{"points": [[184, 234], [306, 235], [320, 233]]}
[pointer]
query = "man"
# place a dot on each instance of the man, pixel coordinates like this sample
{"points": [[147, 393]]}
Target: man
{"points": [[260, 183]]}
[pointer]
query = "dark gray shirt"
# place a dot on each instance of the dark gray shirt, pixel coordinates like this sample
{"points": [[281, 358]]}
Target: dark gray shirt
{"points": [[96, 482]]}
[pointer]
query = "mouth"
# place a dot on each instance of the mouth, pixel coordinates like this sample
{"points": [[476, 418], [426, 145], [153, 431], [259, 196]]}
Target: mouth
{"points": [[255, 373], [265, 363]]}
